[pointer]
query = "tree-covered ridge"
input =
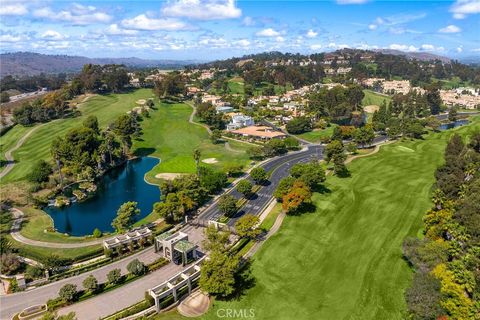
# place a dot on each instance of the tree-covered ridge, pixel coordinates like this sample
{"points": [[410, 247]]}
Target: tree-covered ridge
{"points": [[447, 261], [280, 67]]}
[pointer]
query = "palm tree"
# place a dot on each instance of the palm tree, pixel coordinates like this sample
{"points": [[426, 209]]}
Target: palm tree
{"points": [[196, 156]]}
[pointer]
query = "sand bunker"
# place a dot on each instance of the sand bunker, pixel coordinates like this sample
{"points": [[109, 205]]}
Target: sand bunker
{"points": [[141, 101], [371, 109], [168, 176], [210, 160]]}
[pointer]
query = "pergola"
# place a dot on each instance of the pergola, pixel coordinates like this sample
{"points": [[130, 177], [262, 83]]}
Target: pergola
{"points": [[176, 285], [126, 238]]}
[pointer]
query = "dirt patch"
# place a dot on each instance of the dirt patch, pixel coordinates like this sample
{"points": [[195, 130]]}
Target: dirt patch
{"points": [[168, 176], [210, 160], [371, 109]]}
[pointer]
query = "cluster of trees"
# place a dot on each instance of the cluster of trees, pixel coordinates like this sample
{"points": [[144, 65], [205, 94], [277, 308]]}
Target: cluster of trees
{"points": [[186, 193], [337, 104], [295, 191], [447, 260], [395, 121], [125, 216], [33, 83], [208, 114], [170, 85], [100, 78], [273, 147], [299, 125], [218, 276], [51, 106], [87, 151]]}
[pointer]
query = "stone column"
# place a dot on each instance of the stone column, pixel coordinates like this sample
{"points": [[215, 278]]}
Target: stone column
{"points": [[157, 304], [174, 292]]}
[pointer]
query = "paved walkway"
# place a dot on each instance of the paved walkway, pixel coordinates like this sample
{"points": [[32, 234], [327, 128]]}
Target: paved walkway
{"points": [[17, 236], [9, 156]]}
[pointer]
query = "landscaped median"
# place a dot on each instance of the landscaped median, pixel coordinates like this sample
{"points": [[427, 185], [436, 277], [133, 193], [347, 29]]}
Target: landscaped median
{"points": [[69, 294]]}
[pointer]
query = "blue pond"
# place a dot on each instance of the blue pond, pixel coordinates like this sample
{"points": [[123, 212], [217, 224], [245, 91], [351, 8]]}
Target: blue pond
{"points": [[118, 186], [451, 125]]}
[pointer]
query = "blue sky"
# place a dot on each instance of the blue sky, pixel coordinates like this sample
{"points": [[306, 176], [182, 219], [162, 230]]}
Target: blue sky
{"points": [[211, 29]]}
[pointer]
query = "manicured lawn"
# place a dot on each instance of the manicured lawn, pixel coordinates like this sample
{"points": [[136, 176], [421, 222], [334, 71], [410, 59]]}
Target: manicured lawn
{"points": [[37, 221], [318, 135], [168, 135], [345, 260], [37, 146], [9, 139], [37, 253], [373, 98], [236, 85]]}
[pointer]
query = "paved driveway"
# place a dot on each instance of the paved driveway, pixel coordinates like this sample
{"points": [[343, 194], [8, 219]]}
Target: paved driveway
{"points": [[13, 303], [121, 298]]}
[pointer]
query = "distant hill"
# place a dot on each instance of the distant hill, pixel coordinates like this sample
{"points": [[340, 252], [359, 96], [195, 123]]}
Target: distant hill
{"points": [[422, 56], [30, 63]]}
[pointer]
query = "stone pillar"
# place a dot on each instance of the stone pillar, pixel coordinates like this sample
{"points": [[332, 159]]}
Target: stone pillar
{"points": [[157, 304], [189, 285], [174, 292]]}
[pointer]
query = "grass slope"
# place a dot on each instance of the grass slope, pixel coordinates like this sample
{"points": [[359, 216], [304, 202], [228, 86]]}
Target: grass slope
{"points": [[345, 260], [37, 146], [168, 135], [373, 98], [9, 139], [317, 135]]}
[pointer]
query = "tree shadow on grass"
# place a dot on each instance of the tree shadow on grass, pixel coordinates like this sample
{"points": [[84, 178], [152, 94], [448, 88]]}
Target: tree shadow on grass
{"points": [[305, 208], [143, 152], [321, 189], [244, 280]]}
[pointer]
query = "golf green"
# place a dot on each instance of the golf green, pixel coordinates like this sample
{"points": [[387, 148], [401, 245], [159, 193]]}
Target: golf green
{"points": [[168, 135], [344, 261]]}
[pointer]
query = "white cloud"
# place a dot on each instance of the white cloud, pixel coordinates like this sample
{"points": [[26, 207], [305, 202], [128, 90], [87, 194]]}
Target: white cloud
{"points": [[269, 32], [450, 29], [248, 22], [476, 50], [460, 49], [114, 29], [316, 47], [242, 43], [202, 9], [403, 47], [430, 47], [462, 8], [311, 34], [280, 39], [13, 9], [52, 35], [333, 45], [142, 22], [213, 42], [77, 14], [396, 20], [352, 1], [12, 38]]}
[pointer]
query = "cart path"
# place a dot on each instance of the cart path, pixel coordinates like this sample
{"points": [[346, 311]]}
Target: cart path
{"points": [[8, 154], [17, 236]]}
